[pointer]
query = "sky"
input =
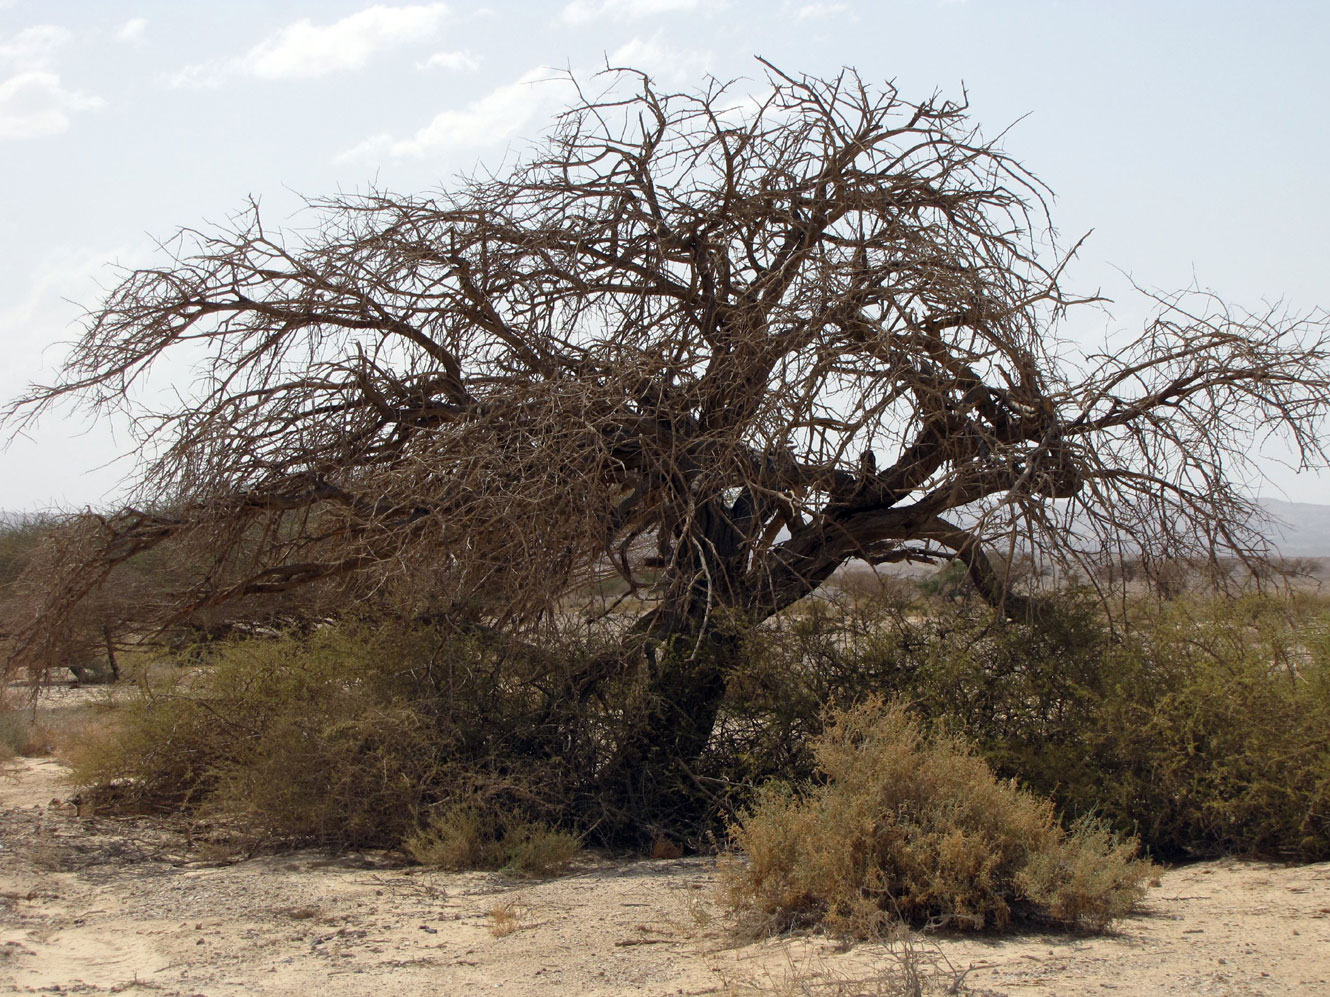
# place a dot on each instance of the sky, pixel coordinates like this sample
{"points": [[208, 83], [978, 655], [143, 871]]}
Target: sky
{"points": [[1190, 139]]}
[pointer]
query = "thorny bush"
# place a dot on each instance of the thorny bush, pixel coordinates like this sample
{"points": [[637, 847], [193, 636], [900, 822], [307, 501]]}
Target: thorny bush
{"points": [[904, 826]]}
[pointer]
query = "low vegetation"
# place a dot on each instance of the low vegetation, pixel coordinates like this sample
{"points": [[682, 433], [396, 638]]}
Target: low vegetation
{"points": [[1196, 724], [476, 837], [353, 736], [18, 734], [903, 826], [1011, 774]]}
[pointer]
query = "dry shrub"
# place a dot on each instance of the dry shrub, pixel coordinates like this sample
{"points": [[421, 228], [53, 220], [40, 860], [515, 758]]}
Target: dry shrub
{"points": [[474, 837], [345, 737], [1200, 727], [907, 827], [20, 736]]}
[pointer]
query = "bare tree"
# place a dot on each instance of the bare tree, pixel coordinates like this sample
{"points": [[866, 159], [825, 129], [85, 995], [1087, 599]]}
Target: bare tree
{"points": [[716, 346]]}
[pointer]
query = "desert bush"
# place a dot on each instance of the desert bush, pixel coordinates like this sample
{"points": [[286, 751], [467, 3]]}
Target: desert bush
{"points": [[1198, 725], [1230, 755], [950, 582], [830, 654], [345, 737], [904, 826], [476, 836], [19, 735]]}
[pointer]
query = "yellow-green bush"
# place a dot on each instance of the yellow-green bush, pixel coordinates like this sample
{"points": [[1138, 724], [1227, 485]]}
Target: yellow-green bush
{"points": [[1201, 726], [347, 737], [1231, 753], [473, 836], [902, 826], [18, 734]]}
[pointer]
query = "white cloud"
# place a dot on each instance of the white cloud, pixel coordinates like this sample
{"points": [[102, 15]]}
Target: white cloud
{"points": [[585, 11], [33, 48], [659, 61], [35, 104], [810, 10], [303, 50], [33, 101], [497, 116], [201, 76], [132, 30], [456, 61]]}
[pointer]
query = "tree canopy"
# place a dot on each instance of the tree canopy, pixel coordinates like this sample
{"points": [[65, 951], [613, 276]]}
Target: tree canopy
{"points": [[714, 345]]}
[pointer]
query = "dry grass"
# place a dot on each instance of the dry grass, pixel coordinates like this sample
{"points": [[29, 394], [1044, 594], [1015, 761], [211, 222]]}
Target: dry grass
{"points": [[505, 918], [903, 964], [22, 735]]}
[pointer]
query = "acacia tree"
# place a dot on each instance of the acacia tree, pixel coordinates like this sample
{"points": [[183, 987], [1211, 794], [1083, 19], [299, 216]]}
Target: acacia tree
{"points": [[714, 346]]}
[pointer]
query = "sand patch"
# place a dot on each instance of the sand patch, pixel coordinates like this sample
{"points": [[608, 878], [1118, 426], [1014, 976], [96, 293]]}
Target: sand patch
{"points": [[98, 905]]}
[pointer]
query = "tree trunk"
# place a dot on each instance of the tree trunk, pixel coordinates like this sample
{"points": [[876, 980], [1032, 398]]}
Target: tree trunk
{"points": [[650, 783], [110, 653]]}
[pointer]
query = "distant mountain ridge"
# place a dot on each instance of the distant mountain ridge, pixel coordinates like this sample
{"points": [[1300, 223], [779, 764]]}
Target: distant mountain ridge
{"points": [[1302, 529]]}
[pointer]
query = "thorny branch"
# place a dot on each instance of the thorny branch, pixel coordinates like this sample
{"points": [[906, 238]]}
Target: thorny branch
{"points": [[716, 346]]}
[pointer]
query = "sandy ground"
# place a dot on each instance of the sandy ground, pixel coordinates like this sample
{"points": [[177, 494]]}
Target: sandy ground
{"points": [[95, 905]]}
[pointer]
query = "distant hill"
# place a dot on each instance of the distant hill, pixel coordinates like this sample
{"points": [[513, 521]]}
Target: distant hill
{"points": [[1304, 530]]}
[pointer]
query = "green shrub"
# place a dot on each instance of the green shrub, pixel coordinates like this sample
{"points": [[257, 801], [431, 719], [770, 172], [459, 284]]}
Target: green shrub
{"points": [[1230, 754], [1201, 727], [908, 827]]}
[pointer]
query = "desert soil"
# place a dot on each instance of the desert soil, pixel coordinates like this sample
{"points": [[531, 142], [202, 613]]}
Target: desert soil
{"points": [[91, 904]]}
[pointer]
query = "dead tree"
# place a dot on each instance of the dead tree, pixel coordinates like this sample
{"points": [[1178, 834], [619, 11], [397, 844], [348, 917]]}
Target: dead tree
{"points": [[716, 346]]}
